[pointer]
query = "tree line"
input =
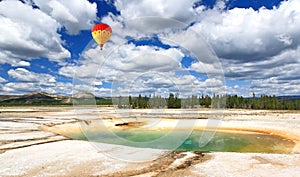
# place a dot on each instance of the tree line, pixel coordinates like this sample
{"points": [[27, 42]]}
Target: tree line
{"points": [[206, 101], [271, 102]]}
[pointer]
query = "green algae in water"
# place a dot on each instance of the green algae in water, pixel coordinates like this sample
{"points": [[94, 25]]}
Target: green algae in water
{"points": [[223, 141]]}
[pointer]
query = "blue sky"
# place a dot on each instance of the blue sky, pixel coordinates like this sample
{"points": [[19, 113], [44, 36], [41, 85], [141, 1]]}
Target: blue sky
{"points": [[191, 47]]}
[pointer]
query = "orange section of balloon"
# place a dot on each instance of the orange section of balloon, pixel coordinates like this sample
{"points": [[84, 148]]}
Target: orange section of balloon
{"points": [[101, 33]]}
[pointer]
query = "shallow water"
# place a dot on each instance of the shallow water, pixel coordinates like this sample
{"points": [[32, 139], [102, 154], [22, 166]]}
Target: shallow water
{"points": [[222, 141]]}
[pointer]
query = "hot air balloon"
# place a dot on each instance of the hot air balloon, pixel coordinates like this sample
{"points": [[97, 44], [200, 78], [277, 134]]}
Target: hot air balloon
{"points": [[101, 33]]}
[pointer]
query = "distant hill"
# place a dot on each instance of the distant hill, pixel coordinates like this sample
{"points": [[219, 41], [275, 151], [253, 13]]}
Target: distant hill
{"points": [[84, 95], [7, 97], [34, 98], [289, 97], [43, 98]]}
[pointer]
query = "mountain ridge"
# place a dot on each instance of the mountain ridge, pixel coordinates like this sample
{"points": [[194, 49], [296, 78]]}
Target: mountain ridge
{"points": [[44, 98]]}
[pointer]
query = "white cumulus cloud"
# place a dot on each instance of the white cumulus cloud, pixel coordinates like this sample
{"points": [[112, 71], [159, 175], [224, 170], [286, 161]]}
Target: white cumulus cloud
{"points": [[245, 34], [179, 10], [24, 37], [74, 15], [24, 75]]}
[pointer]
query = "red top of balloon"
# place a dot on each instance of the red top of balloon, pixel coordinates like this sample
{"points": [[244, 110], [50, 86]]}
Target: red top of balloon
{"points": [[101, 26]]}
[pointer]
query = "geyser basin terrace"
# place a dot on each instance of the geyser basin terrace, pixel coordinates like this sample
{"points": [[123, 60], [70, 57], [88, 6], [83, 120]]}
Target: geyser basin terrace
{"points": [[36, 152], [146, 132]]}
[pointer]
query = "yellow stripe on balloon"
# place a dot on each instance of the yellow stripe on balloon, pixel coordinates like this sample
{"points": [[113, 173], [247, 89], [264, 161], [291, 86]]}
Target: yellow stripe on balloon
{"points": [[101, 36]]}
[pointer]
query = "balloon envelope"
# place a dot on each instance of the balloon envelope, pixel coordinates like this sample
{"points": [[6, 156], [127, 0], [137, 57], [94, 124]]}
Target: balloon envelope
{"points": [[101, 33]]}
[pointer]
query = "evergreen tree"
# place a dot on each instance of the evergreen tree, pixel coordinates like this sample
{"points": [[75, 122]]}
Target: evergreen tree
{"points": [[130, 101], [207, 101], [145, 102], [202, 101], [140, 101], [171, 101], [177, 101]]}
